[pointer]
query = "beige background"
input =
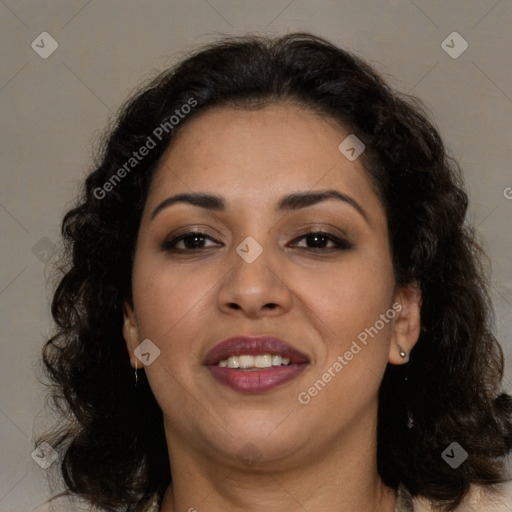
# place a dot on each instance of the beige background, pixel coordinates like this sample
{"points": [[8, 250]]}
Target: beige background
{"points": [[52, 109]]}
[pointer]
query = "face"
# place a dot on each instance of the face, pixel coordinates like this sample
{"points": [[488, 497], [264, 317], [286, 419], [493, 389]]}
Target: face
{"points": [[255, 270]]}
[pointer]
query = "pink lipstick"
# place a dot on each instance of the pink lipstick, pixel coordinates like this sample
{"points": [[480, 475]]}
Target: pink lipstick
{"points": [[255, 364]]}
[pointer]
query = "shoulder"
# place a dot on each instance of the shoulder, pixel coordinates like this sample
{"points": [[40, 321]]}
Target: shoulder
{"points": [[479, 499]]}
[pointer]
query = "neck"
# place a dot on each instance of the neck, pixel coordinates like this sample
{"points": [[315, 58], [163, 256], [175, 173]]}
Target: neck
{"points": [[339, 476]]}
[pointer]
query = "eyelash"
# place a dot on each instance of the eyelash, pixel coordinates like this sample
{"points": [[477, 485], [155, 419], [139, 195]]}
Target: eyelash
{"points": [[340, 244]]}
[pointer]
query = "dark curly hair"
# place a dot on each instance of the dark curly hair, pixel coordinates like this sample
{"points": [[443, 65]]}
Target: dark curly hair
{"points": [[113, 444]]}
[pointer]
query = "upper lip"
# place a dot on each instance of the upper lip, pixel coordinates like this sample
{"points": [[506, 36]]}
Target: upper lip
{"points": [[254, 345]]}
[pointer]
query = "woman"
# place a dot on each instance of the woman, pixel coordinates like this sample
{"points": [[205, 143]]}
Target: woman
{"points": [[273, 301]]}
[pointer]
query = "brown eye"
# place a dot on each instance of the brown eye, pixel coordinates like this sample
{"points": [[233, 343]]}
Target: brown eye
{"points": [[320, 238], [193, 240]]}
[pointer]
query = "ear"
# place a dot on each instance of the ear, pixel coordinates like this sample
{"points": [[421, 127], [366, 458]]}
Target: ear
{"points": [[130, 332], [407, 322]]}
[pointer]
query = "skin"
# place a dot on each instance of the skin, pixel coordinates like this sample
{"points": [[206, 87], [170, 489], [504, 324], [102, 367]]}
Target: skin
{"points": [[318, 456]]}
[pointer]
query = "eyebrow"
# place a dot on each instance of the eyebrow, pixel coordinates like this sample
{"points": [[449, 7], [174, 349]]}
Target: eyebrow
{"points": [[289, 202]]}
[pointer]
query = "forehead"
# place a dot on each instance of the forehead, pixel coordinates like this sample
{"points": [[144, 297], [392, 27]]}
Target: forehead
{"points": [[259, 153]]}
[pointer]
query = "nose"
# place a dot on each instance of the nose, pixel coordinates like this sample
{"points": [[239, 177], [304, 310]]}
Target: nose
{"points": [[255, 289]]}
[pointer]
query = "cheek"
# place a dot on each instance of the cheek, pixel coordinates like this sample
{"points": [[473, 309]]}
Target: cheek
{"points": [[347, 309], [168, 305], [348, 297], [167, 302]]}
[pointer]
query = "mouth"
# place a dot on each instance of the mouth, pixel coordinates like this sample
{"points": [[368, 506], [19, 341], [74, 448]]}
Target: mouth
{"points": [[255, 364]]}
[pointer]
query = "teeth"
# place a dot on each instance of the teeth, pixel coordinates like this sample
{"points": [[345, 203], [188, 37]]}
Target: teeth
{"points": [[259, 361], [276, 360], [263, 361], [233, 362], [246, 361]]}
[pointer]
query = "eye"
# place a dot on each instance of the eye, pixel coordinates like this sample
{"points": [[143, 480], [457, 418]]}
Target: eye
{"points": [[320, 238], [195, 240], [192, 240]]}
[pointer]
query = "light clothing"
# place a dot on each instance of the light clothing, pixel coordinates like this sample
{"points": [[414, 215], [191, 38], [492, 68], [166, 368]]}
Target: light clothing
{"points": [[153, 505], [404, 500]]}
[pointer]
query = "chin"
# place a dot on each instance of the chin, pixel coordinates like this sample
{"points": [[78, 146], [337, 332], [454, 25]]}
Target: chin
{"points": [[261, 441]]}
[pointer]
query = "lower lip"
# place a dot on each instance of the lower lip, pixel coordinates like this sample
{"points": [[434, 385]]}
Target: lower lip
{"points": [[256, 381]]}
